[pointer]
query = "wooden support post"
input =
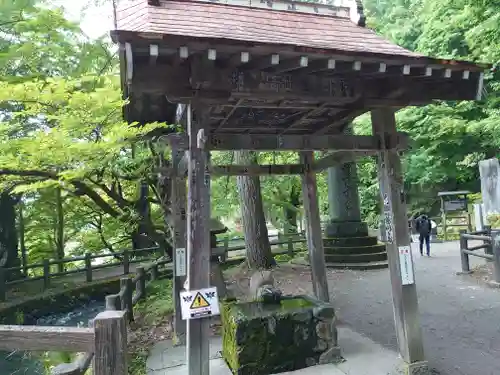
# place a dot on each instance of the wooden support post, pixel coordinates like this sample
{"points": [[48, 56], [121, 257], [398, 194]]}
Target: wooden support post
{"points": [[198, 239], [46, 273], [290, 245], [178, 199], [140, 285], [3, 287], [223, 258], [126, 262], [88, 267], [314, 235], [443, 219], [113, 302], [404, 291], [110, 356], [463, 256], [127, 305]]}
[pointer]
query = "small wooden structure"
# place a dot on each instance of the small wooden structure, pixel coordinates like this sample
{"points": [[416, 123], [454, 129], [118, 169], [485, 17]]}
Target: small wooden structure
{"points": [[279, 76], [454, 201]]}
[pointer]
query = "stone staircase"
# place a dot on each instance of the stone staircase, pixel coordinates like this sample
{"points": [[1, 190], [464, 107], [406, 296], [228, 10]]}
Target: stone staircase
{"points": [[361, 253]]}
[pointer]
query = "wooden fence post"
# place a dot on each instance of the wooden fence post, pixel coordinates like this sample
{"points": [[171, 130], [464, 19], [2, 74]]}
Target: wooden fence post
{"points": [[463, 256], [154, 272], [126, 262], [290, 245], [46, 273], [88, 267], [496, 259], [141, 282], [127, 305], [110, 356], [113, 302], [3, 287], [489, 249], [223, 258]]}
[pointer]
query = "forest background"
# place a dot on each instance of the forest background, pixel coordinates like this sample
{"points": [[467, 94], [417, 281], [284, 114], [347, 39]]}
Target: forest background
{"points": [[75, 178]]}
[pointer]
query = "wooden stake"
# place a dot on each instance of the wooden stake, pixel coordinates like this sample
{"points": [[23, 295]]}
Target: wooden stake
{"points": [[198, 239], [395, 216], [314, 235]]}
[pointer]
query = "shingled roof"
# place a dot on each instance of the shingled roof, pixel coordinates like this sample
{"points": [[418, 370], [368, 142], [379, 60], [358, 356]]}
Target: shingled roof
{"points": [[329, 28]]}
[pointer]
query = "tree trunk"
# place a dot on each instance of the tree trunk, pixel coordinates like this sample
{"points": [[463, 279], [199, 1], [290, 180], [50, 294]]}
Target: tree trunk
{"points": [[258, 250], [22, 239], [291, 214], [9, 256], [59, 238]]}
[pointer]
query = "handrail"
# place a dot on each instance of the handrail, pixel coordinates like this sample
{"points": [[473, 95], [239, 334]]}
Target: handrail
{"points": [[87, 268], [491, 248]]}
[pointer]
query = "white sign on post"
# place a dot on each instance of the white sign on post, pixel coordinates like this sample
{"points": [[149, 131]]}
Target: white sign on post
{"points": [[406, 265], [200, 303], [180, 261]]}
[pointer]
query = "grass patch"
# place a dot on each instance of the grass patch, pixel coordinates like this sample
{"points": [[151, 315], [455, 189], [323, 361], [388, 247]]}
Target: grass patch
{"points": [[152, 323]]}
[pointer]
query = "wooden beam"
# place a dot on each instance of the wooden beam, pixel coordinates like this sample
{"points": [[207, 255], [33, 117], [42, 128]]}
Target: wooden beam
{"points": [[257, 142], [289, 65], [340, 158], [348, 116], [39, 338], [404, 293], [242, 170], [313, 234]]}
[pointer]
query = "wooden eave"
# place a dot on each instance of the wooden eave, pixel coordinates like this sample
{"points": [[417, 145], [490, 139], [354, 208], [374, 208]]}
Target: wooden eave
{"points": [[253, 87]]}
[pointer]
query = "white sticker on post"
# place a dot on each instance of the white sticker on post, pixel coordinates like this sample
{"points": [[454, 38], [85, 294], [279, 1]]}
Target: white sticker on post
{"points": [[202, 303], [180, 261], [406, 265]]}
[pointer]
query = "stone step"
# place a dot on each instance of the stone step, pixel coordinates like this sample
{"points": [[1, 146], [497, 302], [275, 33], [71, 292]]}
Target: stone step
{"points": [[359, 266], [355, 258], [378, 248], [350, 241]]}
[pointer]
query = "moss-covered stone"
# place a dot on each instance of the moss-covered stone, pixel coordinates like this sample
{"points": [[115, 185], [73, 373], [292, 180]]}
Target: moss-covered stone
{"points": [[266, 339]]}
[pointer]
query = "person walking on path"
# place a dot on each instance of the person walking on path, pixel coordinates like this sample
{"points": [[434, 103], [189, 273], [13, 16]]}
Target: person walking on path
{"points": [[424, 226]]}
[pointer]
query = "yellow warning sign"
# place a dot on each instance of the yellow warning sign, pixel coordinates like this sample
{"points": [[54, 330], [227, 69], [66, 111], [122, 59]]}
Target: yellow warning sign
{"points": [[199, 302]]}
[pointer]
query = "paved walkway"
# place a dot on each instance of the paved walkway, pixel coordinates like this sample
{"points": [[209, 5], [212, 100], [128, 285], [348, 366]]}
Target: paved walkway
{"points": [[460, 318]]}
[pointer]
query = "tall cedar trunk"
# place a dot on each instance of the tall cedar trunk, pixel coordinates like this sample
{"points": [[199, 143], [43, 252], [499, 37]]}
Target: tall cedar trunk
{"points": [[22, 239], [140, 239], [59, 238], [9, 256], [258, 250], [291, 214]]}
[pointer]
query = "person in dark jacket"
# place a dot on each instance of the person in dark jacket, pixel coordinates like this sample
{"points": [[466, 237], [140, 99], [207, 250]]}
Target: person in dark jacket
{"points": [[423, 225]]}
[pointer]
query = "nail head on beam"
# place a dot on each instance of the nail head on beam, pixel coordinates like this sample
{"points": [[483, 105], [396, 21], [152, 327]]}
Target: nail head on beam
{"points": [[357, 65], [245, 57], [466, 74], [331, 63], [406, 69], [275, 59], [212, 54], [428, 72], [183, 52], [382, 67], [304, 61]]}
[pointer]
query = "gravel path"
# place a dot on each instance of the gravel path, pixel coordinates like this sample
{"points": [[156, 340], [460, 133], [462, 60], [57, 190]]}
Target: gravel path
{"points": [[460, 318]]}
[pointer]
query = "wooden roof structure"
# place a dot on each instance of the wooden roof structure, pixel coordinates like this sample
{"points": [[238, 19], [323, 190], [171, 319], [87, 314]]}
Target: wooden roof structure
{"points": [[273, 67]]}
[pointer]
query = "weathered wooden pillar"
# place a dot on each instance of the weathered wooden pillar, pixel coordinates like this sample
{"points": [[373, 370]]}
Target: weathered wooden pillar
{"points": [[178, 202], [198, 238], [404, 292], [314, 235]]}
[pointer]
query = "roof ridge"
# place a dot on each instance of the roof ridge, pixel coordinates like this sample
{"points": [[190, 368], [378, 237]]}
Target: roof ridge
{"points": [[352, 9]]}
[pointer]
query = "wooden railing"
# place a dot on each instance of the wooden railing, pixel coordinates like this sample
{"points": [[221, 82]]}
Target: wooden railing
{"points": [[85, 266], [104, 344], [491, 250], [132, 290]]}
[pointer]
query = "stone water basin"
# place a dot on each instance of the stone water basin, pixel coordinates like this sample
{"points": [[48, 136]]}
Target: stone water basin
{"points": [[267, 339]]}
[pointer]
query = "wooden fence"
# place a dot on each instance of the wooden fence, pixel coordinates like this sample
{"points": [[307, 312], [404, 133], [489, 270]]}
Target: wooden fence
{"points": [[104, 344], [491, 250], [48, 274]]}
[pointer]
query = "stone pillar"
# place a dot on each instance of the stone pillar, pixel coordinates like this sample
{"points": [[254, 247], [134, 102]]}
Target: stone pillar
{"points": [[343, 199]]}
